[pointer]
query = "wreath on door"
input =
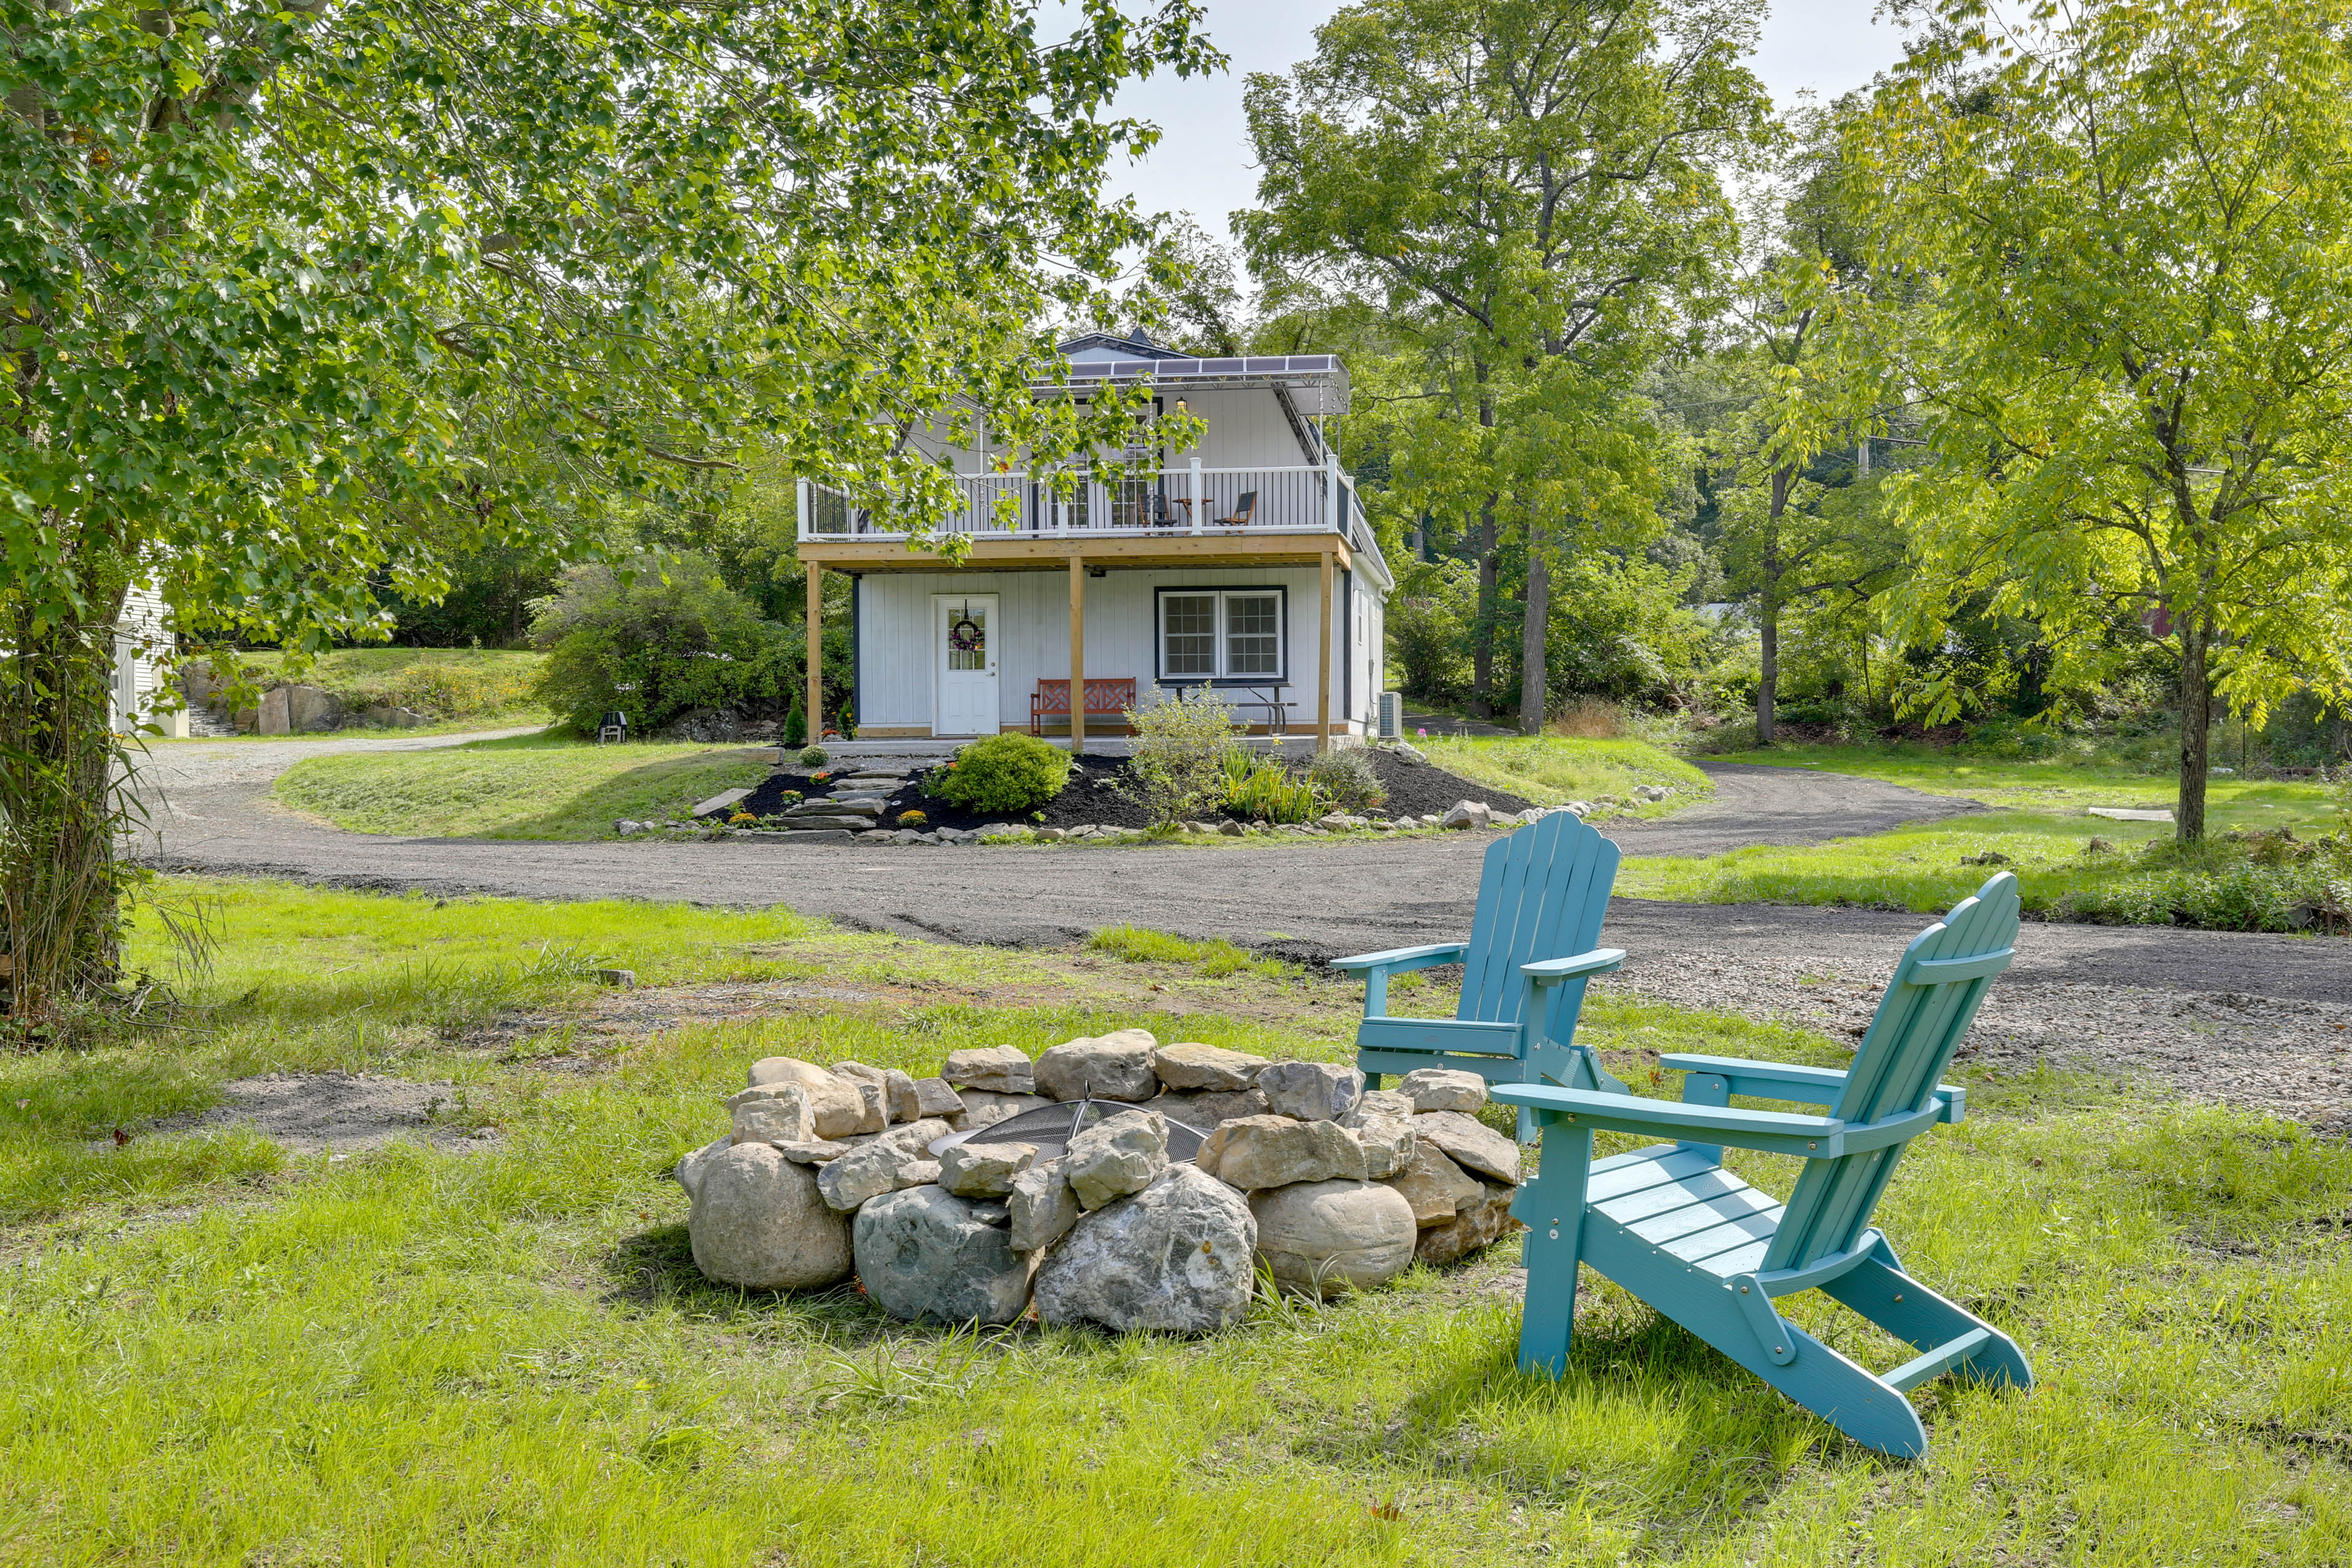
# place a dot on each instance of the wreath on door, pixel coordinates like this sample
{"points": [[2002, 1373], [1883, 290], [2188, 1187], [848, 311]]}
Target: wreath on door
{"points": [[965, 637]]}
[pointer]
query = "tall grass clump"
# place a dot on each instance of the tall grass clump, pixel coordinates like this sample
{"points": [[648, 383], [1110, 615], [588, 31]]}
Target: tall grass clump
{"points": [[1177, 767]]}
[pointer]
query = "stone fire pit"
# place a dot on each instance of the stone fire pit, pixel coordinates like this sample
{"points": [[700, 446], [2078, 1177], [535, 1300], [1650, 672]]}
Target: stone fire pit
{"points": [[1112, 1180]]}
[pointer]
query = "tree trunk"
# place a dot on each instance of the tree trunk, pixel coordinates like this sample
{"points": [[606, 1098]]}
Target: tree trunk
{"points": [[61, 813], [1535, 640], [1767, 609], [2196, 731], [1490, 579]]}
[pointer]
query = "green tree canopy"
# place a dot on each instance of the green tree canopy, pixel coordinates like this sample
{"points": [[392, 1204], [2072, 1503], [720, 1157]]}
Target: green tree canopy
{"points": [[1531, 187], [287, 283], [2129, 223]]}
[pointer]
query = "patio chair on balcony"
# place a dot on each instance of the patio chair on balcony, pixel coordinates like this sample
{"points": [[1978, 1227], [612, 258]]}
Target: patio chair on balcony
{"points": [[1243, 510]]}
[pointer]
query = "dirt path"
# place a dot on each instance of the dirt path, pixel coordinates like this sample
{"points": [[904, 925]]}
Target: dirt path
{"points": [[2259, 1020]]}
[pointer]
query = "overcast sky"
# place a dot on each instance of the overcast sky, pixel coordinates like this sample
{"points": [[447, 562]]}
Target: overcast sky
{"points": [[1202, 163]]}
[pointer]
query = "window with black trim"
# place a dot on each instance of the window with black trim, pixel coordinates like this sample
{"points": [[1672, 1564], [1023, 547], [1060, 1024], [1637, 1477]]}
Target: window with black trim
{"points": [[1223, 634]]}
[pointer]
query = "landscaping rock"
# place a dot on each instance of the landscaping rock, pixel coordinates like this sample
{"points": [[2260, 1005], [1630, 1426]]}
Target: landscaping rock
{"points": [[1323, 1238], [936, 1097], [923, 1253], [871, 1169], [920, 1174], [778, 1115], [1467, 814], [1478, 1222], [1116, 1156], [816, 1151], [1232, 829], [1376, 1102], [1117, 1065], [1256, 1151], [1434, 1186], [758, 1221], [1202, 1109], [719, 804], [983, 1108], [836, 1105], [1444, 1088], [983, 1170], [1000, 1069], [1176, 1258], [1311, 1091], [1040, 1208], [1387, 1142], [1191, 1065], [874, 1105], [687, 1172], [899, 1102], [1470, 1143]]}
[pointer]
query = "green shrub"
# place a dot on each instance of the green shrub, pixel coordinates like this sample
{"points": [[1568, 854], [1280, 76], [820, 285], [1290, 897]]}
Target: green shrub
{"points": [[670, 638], [1344, 776], [1263, 789], [814, 757], [795, 726], [1011, 772], [1177, 768]]}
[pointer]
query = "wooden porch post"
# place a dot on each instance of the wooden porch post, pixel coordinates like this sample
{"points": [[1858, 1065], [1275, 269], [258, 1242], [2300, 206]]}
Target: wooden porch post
{"points": [[1323, 662], [1077, 653], [816, 652]]}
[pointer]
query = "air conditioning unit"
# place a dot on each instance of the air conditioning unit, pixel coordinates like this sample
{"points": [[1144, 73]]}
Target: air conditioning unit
{"points": [[1392, 715]]}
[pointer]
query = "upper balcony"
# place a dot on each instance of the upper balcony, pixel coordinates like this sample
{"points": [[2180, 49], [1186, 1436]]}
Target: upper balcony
{"points": [[1173, 504]]}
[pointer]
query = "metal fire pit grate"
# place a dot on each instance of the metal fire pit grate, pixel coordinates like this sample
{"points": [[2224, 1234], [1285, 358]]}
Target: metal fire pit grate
{"points": [[1049, 1129]]}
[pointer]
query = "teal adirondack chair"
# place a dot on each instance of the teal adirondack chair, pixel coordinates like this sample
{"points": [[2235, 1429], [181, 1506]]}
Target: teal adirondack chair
{"points": [[1704, 1247], [1540, 898]]}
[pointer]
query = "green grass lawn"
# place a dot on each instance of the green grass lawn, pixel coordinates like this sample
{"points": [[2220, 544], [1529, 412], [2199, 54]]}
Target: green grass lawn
{"points": [[548, 785], [2042, 825], [221, 1354], [1552, 770]]}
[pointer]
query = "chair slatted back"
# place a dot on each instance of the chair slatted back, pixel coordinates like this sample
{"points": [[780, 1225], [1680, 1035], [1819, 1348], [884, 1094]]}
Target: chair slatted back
{"points": [[1542, 895], [1928, 1006]]}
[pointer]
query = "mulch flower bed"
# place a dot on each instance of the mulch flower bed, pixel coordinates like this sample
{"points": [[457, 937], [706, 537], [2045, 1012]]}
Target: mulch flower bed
{"points": [[1094, 794]]}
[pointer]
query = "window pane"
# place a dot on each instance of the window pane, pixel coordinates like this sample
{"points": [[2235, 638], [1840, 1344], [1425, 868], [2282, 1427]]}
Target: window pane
{"points": [[1189, 627], [1253, 633], [968, 636]]}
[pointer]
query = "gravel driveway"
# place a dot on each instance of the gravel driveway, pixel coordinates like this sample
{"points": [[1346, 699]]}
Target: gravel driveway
{"points": [[2262, 1020]]}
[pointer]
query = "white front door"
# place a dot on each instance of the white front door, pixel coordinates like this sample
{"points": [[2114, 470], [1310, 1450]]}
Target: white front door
{"points": [[963, 664]]}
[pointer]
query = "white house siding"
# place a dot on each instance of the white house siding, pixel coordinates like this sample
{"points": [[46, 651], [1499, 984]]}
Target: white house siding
{"points": [[140, 645], [896, 658]]}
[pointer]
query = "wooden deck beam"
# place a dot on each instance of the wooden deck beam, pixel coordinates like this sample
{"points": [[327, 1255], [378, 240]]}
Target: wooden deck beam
{"points": [[815, 650], [1048, 553], [1323, 663]]}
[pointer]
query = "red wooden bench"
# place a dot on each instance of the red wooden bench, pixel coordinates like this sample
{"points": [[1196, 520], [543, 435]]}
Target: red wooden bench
{"points": [[1107, 698]]}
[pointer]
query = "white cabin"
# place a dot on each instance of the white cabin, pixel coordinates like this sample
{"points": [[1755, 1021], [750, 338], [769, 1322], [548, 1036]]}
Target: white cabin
{"points": [[1243, 564]]}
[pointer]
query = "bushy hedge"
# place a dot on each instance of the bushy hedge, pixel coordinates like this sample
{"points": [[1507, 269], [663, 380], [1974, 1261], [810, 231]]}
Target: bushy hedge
{"points": [[1012, 772], [665, 636]]}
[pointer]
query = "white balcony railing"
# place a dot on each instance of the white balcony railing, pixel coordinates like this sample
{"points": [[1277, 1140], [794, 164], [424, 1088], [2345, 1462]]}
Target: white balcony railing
{"points": [[1188, 500]]}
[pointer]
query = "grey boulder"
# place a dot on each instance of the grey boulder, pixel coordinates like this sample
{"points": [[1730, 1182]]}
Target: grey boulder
{"points": [[923, 1253], [1434, 1186], [1478, 1222], [983, 1170], [1001, 1069], [984, 1107], [1191, 1065], [772, 1114], [1310, 1091], [1323, 1238], [1040, 1208], [1203, 1109], [1176, 1258], [1116, 1156], [1117, 1065], [835, 1105], [758, 1221], [1470, 1143], [937, 1097], [1256, 1151], [1444, 1088], [687, 1172], [876, 1165]]}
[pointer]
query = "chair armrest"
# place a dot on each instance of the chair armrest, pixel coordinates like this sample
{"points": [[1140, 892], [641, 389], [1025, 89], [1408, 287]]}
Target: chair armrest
{"points": [[1771, 1131], [1798, 1085], [1399, 960], [1552, 971]]}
